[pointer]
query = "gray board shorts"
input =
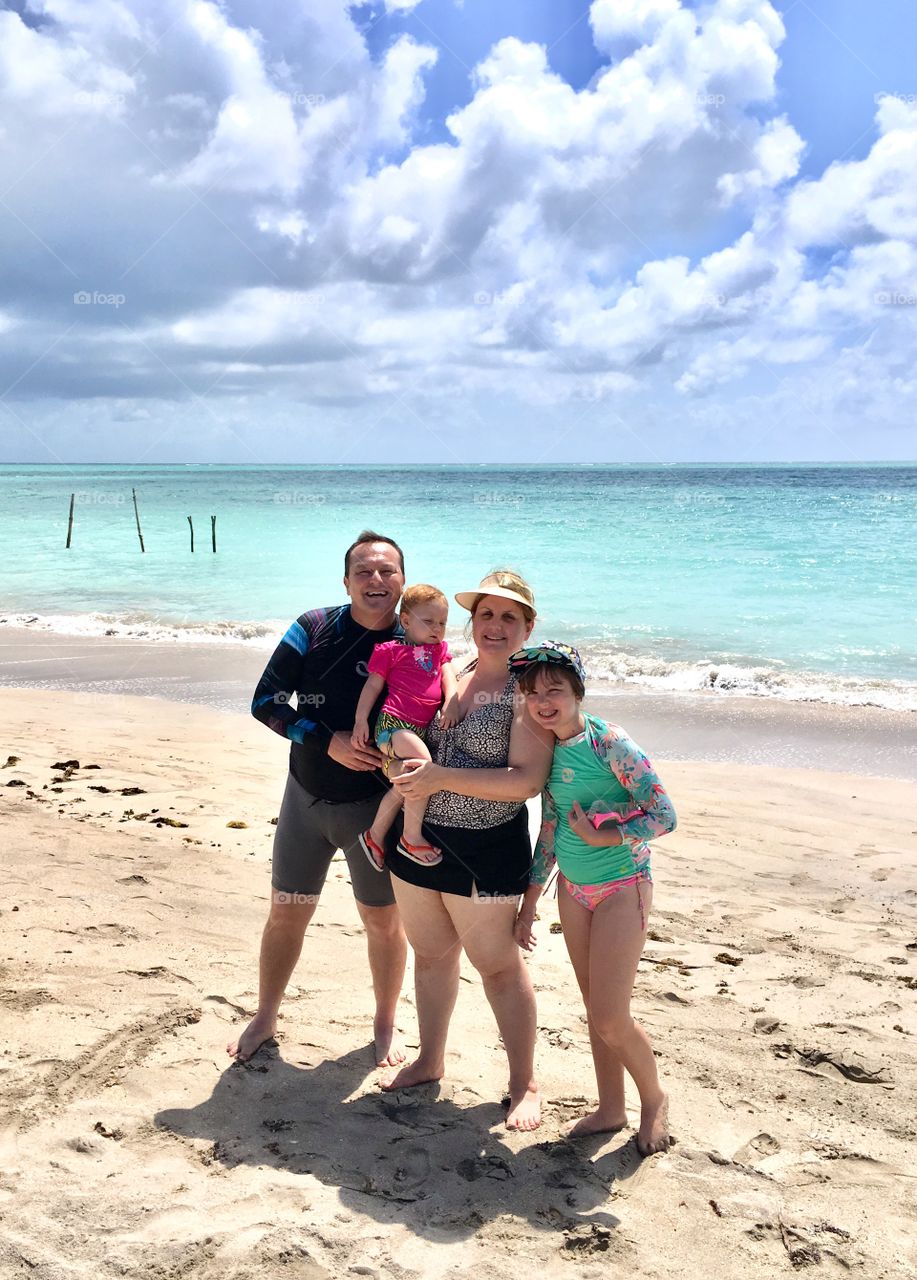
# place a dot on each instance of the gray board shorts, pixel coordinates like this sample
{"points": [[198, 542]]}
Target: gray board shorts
{"points": [[309, 833]]}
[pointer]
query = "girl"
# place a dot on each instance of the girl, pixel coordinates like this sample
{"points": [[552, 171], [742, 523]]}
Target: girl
{"points": [[417, 675], [601, 804]]}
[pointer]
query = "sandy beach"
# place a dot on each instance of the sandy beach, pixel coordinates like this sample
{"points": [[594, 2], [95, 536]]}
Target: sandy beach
{"points": [[777, 985]]}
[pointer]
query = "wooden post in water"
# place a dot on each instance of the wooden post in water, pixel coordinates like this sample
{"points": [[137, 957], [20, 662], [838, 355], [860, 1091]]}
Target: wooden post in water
{"points": [[70, 521], [213, 533], [192, 535], [137, 518]]}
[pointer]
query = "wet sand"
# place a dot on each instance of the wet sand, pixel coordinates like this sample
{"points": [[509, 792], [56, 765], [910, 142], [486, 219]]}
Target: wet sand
{"points": [[712, 727]]}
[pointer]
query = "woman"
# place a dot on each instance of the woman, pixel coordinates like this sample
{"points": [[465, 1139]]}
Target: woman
{"points": [[482, 772]]}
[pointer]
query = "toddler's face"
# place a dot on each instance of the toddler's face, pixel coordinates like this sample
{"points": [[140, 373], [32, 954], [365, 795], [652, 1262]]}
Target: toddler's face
{"points": [[426, 624]]}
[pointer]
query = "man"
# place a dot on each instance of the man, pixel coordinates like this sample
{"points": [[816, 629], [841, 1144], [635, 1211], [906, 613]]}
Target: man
{"points": [[308, 694]]}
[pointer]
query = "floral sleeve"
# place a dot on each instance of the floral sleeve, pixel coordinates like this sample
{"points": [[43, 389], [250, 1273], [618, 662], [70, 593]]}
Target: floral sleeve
{"points": [[544, 860], [635, 773]]}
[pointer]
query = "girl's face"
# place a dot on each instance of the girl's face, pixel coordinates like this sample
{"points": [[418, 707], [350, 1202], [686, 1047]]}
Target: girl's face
{"points": [[553, 704], [499, 627], [426, 623]]}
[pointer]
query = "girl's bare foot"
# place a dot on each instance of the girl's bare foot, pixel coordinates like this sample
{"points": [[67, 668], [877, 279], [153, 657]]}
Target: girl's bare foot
{"points": [[260, 1029], [653, 1134], [524, 1109], [388, 1050], [595, 1122], [415, 1073]]}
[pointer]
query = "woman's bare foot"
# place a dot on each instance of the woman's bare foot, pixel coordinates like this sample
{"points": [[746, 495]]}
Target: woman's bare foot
{"points": [[260, 1029], [416, 1072], [595, 1122], [524, 1109], [389, 1052], [653, 1134]]}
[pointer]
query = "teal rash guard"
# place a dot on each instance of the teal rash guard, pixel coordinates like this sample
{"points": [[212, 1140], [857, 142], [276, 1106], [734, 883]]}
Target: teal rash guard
{"points": [[609, 775]]}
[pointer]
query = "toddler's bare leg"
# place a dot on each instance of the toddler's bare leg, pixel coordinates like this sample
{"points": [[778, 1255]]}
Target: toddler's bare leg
{"points": [[408, 746], [385, 815]]}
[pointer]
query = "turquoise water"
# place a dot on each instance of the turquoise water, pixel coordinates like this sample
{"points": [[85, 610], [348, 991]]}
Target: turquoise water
{"points": [[785, 581]]}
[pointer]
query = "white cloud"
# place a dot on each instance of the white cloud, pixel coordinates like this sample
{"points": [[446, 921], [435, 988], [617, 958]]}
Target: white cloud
{"points": [[263, 193], [641, 19]]}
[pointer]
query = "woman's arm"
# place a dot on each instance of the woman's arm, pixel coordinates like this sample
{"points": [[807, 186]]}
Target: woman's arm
{"points": [[531, 750]]}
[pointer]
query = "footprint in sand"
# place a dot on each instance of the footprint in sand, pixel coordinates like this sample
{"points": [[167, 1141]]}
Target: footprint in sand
{"points": [[413, 1168], [762, 1144]]}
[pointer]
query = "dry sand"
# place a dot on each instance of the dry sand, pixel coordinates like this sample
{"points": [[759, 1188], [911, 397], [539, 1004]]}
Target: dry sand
{"points": [[778, 987]]}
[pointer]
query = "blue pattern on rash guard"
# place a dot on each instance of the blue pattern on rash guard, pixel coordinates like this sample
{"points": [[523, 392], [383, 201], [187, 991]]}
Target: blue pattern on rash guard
{"points": [[297, 638]]}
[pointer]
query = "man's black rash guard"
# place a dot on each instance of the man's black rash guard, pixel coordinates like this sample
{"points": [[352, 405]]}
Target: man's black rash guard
{"points": [[310, 690]]}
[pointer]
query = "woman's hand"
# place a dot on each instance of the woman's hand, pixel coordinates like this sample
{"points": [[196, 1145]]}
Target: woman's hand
{"points": [[418, 779], [582, 826], [523, 930]]}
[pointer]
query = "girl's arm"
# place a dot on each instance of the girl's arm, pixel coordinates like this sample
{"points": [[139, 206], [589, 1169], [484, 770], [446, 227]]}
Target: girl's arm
{"points": [[635, 773], [371, 690], [531, 750], [542, 865], [449, 715]]}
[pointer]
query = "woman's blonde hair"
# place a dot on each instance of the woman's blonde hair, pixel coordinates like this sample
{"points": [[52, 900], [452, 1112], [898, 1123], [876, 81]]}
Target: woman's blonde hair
{"points": [[510, 581]]}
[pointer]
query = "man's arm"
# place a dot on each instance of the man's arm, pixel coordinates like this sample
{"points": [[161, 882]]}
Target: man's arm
{"points": [[272, 703]]}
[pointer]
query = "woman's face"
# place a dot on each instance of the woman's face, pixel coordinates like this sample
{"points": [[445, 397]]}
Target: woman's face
{"points": [[499, 627]]}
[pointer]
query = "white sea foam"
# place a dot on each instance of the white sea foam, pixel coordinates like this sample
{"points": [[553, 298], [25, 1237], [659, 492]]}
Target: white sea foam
{"points": [[607, 668], [149, 627], [774, 680]]}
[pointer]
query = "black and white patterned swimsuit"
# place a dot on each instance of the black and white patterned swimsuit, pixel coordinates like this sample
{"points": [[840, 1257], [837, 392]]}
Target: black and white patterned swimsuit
{"points": [[485, 843]]}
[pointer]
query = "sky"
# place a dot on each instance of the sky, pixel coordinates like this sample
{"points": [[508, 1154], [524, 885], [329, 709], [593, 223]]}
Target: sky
{"points": [[458, 231]]}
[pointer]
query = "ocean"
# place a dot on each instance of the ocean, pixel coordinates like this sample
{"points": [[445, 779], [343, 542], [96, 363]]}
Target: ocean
{"points": [[788, 582]]}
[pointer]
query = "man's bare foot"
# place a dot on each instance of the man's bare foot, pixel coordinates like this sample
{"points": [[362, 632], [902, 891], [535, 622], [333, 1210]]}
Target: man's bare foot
{"points": [[260, 1029], [595, 1122], [389, 1052], [417, 1072], [653, 1134], [524, 1109]]}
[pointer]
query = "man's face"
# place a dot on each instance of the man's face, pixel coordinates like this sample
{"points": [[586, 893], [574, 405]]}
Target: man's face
{"points": [[375, 581]]}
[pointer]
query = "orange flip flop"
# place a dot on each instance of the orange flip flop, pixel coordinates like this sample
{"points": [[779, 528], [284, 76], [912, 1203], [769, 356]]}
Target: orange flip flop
{"points": [[425, 855], [373, 851]]}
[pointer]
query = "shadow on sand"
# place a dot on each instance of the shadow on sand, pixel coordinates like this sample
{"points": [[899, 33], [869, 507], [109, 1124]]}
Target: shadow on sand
{"points": [[440, 1167]]}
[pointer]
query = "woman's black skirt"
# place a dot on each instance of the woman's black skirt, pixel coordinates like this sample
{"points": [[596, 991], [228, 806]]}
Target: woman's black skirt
{"points": [[493, 861]]}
